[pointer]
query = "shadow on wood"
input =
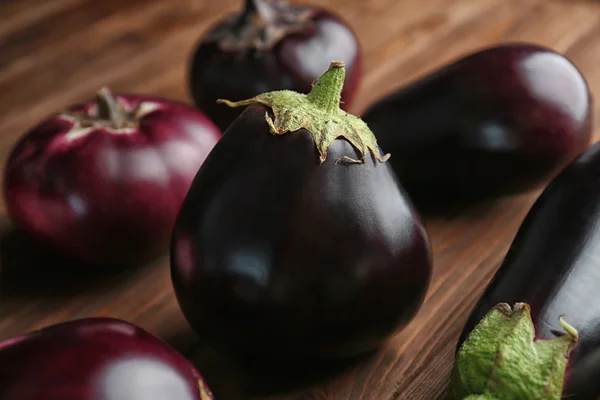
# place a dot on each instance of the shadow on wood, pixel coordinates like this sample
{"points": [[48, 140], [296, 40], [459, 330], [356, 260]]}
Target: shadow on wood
{"points": [[29, 270], [182, 340], [233, 379], [443, 206]]}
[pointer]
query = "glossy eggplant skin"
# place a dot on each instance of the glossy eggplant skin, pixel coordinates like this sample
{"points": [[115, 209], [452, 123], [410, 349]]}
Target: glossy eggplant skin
{"points": [[103, 195], [276, 255], [294, 63], [500, 121], [554, 265], [95, 359]]}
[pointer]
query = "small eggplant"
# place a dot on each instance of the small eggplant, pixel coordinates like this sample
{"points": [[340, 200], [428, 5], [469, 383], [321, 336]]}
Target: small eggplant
{"points": [[271, 45], [96, 359], [500, 121], [103, 181], [296, 240], [553, 265]]}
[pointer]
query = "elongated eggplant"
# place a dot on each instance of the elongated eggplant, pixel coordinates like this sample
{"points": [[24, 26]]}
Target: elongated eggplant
{"points": [[296, 239], [499, 121], [553, 265]]}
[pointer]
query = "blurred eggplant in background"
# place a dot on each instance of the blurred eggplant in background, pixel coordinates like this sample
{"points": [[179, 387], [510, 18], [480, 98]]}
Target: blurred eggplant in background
{"points": [[499, 121], [270, 45]]}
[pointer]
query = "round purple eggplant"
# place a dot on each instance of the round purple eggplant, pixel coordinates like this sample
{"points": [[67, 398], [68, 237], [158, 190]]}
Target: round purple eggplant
{"points": [[499, 121], [553, 265], [102, 182], [96, 359], [270, 45], [296, 240]]}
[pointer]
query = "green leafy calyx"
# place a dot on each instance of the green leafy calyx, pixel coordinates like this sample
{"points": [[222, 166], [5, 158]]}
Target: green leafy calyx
{"points": [[320, 114], [500, 360]]}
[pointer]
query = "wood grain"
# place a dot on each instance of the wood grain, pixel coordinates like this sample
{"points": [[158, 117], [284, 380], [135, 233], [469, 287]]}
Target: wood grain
{"points": [[54, 53]]}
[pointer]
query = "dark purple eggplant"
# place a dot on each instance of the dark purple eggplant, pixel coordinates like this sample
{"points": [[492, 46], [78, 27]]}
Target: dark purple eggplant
{"points": [[499, 121], [296, 240], [270, 45], [553, 265], [96, 359]]}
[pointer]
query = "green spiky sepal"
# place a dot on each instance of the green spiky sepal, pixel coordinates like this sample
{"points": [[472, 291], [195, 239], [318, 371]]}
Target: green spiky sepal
{"points": [[319, 113], [500, 360]]}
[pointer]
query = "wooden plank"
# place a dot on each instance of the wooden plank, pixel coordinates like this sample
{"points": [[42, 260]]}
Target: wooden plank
{"points": [[56, 53]]}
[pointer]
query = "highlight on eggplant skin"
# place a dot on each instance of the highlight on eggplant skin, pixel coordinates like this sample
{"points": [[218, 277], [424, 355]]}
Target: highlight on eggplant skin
{"points": [[97, 358], [102, 181], [270, 45], [277, 253], [553, 264], [499, 121]]}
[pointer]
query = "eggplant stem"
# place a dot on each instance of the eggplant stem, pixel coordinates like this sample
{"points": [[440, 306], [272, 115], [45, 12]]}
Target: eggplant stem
{"points": [[502, 358], [260, 25], [109, 108], [327, 92], [260, 9], [320, 114]]}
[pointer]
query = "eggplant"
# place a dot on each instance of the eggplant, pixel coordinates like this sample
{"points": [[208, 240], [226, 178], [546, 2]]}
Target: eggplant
{"points": [[295, 239], [500, 121], [270, 45], [102, 181], [97, 358], [553, 265]]}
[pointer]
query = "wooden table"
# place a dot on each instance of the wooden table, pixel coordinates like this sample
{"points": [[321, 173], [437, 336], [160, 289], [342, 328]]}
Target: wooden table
{"points": [[54, 53]]}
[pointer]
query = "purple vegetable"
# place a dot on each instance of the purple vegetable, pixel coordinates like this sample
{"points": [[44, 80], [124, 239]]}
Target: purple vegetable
{"points": [[497, 122], [554, 266], [296, 239], [270, 45], [96, 359], [103, 181]]}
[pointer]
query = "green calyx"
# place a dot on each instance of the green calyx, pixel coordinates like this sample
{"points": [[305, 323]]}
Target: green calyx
{"points": [[320, 114], [500, 360]]}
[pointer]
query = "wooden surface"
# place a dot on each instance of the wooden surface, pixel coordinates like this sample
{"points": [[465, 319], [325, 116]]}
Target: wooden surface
{"points": [[54, 53]]}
